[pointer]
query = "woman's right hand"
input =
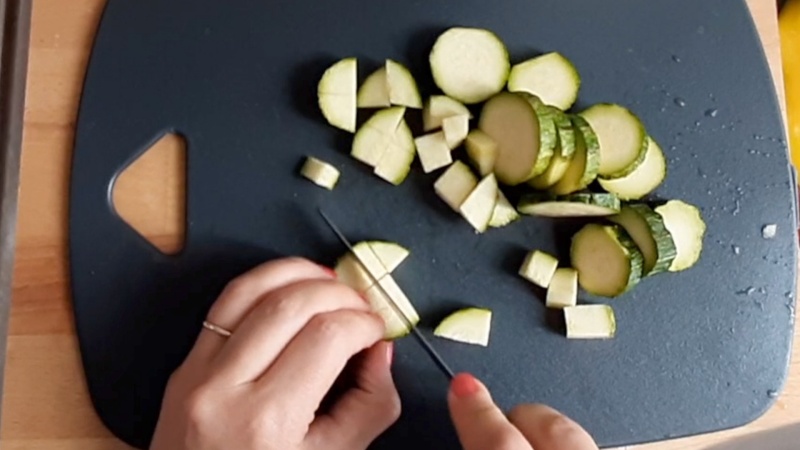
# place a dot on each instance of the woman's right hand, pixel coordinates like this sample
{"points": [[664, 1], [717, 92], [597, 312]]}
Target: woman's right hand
{"points": [[481, 425]]}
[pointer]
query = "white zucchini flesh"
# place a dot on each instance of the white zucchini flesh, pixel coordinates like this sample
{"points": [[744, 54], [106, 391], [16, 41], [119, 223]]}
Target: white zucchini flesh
{"points": [[607, 260], [455, 185], [563, 289], [433, 151], [336, 94], [374, 92], [590, 322], [403, 89], [644, 179], [376, 135], [504, 212], [396, 327], [551, 77], [456, 129], [622, 137], [469, 326], [320, 173], [395, 163], [440, 107], [353, 274], [469, 64], [481, 151], [378, 258], [539, 268], [512, 122], [479, 205], [687, 228]]}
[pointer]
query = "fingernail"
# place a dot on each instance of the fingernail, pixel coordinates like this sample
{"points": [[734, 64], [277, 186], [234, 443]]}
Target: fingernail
{"points": [[390, 353], [464, 385], [329, 271]]}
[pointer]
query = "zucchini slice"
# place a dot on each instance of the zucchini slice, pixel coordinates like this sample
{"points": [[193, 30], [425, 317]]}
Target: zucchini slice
{"points": [[482, 151], [585, 162], [469, 64], [433, 151], [623, 140], [551, 77], [374, 92], [566, 132], [479, 205], [539, 268], [687, 228], [524, 133], [562, 157], [455, 185], [644, 179], [320, 173], [607, 260], [469, 326], [395, 163], [575, 205], [563, 290], [376, 135], [647, 230], [336, 94], [590, 322], [504, 213], [440, 107]]}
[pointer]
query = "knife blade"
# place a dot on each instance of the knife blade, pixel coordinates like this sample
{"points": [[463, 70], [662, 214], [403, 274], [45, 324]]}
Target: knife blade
{"points": [[426, 345]]}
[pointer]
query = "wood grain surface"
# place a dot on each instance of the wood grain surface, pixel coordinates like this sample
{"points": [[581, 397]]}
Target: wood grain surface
{"points": [[45, 402]]}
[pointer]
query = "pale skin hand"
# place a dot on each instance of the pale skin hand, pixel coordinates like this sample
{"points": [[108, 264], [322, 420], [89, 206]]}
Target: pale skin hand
{"points": [[295, 329]]}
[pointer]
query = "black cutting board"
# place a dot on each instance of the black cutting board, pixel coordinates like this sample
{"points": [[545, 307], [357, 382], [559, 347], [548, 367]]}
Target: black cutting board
{"points": [[697, 351]]}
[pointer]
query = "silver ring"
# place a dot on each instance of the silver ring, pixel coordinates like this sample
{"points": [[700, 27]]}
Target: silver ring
{"points": [[216, 329]]}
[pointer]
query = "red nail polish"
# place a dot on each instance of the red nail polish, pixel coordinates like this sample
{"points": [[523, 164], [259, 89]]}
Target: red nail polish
{"points": [[390, 353], [464, 385], [329, 271]]}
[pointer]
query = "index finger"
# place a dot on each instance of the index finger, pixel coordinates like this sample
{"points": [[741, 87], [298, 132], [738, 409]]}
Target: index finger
{"points": [[480, 424]]}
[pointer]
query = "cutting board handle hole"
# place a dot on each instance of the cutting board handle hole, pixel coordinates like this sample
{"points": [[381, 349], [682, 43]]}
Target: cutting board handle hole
{"points": [[150, 194]]}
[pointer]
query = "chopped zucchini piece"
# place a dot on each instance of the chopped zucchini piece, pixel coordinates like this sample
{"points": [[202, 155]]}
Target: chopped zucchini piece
{"points": [[320, 173], [539, 268], [396, 327], [440, 107], [563, 290], [470, 326], [479, 205], [504, 213], [482, 151], [395, 163], [403, 89], [456, 129], [374, 92], [376, 135], [433, 151], [590, 322], [455, 185], [390, 254]]}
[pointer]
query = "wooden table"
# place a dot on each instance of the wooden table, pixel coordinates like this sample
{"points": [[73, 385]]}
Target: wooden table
{"points": [[45, 402]]}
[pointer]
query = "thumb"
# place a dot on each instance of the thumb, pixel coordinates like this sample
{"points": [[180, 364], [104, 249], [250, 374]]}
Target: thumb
{"points": [[480, 424]]}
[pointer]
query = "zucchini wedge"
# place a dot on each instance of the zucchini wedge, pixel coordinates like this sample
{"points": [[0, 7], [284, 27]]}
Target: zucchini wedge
{"points": [[607, 260], [336, 94], [590, 322], [539, 268], [481, 151], [440, 107], [563, 289], [469, 326], [504, 212]]}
